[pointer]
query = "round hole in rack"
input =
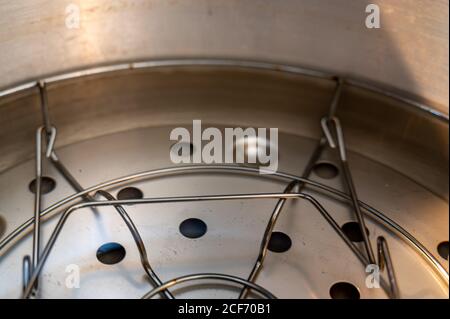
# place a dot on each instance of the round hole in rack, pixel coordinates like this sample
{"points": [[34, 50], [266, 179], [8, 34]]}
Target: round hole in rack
{"points": [[47, 185], [353, 231], [443, 249], [344, 290], [279, 242], [326, 170], [2, 226], [130, 193], [193, 228], [110, 253]]}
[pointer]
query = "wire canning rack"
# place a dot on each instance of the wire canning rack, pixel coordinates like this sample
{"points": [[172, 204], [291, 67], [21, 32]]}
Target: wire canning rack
{"points": [[366, 248]]}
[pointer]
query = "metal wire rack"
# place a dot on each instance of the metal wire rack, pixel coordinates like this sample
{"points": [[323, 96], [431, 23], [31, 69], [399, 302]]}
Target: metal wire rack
{"points": [[332, 137]]}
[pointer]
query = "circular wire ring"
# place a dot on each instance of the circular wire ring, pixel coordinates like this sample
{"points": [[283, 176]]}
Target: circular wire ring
{"points": [[222, 277]]}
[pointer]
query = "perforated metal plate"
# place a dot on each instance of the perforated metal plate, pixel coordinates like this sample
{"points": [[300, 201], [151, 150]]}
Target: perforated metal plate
{"points": [[307, 260]]}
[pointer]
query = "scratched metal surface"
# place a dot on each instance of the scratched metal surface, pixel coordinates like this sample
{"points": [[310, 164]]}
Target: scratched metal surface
{"points": [[117, 123], [408, 53], [317, 259]]}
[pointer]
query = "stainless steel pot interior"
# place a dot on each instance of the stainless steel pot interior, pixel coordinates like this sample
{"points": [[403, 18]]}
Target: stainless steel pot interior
{"points": [[116, 123], [116, 85], [408, 53]]}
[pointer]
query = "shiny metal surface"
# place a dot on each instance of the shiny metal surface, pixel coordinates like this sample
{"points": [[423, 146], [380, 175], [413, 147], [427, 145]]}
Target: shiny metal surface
{"points": [[408, 53], [123, 118], [175, 281], [406, 146], [221, 217], [128, 148]]}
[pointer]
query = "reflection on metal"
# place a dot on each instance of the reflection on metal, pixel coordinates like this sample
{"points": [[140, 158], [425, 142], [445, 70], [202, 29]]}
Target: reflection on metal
{"points": [[32, 270], [63, 219], [225, 63]]}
